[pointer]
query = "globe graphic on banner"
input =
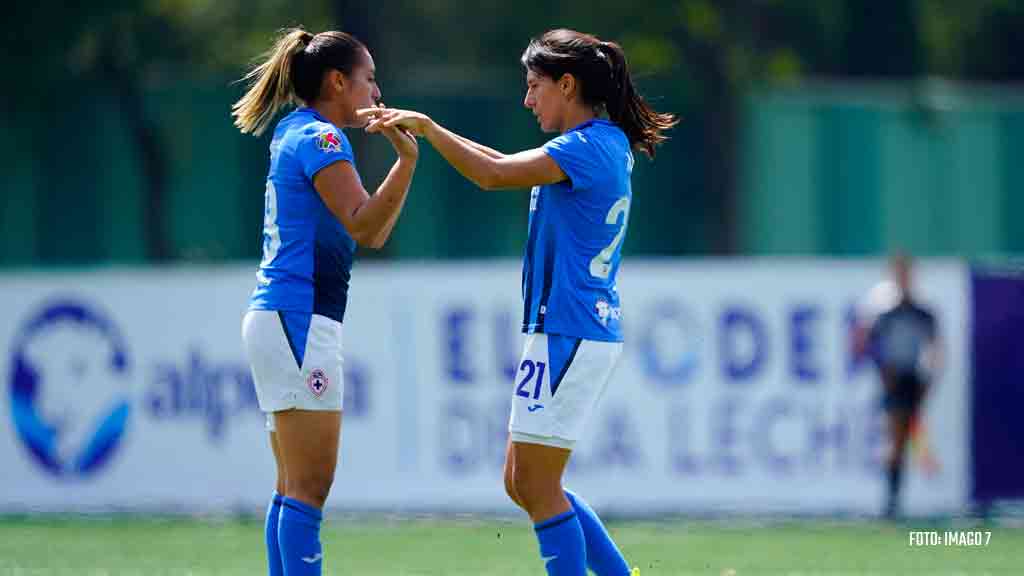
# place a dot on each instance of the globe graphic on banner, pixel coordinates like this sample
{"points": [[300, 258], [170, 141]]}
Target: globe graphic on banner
{"points": [[69, 388]]}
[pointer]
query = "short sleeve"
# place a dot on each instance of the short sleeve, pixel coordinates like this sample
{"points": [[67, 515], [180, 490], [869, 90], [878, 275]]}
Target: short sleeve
{"points": [[321, 146], [576, 156]]}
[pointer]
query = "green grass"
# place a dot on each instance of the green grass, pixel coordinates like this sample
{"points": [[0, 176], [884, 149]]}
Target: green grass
{"points": [[484, 547]]}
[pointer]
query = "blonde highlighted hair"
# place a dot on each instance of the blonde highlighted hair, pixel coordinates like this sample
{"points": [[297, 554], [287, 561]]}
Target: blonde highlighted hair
{"points": [[290, 73]]}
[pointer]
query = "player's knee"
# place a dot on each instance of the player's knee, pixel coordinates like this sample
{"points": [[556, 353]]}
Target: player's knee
{"points": [[513, 495], [282, 480], [312, 487]]}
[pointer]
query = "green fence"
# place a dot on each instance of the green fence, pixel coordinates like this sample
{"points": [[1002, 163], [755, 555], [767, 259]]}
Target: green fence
{"points": [[860, 170]]}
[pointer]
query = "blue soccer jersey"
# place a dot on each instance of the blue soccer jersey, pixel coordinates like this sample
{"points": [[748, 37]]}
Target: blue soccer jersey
{"points": [[575, 239], [307, 253]]}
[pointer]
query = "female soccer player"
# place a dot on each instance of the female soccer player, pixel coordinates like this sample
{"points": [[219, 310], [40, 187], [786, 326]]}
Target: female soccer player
{"points": [[579, 86], [316, 212]]}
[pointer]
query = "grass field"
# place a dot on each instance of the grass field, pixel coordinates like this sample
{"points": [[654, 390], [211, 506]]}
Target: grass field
{"points": [[484, 547]]}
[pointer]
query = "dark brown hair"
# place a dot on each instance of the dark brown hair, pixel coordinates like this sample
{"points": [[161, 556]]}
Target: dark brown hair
{"points": [[601, 68]]}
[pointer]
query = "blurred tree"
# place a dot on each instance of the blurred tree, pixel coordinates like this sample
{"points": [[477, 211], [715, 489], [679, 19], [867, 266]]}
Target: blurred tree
{"points": [[126, 46], [978, 40], [882, 39]]}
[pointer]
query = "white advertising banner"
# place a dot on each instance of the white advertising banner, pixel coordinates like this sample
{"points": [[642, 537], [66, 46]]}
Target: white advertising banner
{"points": [[737, 391]]}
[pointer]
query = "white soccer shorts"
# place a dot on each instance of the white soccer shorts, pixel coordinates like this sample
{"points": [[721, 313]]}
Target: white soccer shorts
{"points": [[283, 382], [557, 388]]}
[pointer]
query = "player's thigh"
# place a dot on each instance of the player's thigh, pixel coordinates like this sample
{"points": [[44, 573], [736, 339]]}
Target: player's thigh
{"points": [[279, 462], [509, 469], [297, 370], [537, 463], [308, 442]]}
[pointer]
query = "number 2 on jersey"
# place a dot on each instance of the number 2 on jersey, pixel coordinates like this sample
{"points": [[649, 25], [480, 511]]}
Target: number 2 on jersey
{"points": [[601, 265], [271, 232], [531, 367]]}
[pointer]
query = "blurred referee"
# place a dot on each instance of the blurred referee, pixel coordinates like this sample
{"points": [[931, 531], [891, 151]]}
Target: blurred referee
{"points": [[903, 340]]}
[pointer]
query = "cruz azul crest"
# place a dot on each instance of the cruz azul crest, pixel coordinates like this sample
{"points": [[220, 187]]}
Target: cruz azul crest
{"points": [[317, 381]]}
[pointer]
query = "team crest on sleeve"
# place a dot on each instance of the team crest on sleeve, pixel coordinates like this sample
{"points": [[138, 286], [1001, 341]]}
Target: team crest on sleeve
{"points": [[317, 382], [328, 141]]}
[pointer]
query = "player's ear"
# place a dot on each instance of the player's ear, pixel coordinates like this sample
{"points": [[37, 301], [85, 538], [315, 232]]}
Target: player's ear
{"points": [[567, 85], [336, 80]]}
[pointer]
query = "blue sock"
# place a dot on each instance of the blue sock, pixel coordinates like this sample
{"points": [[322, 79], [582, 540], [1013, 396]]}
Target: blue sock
{"points": [[561, 545], [603, 556], [298, 533], [270, 533]]}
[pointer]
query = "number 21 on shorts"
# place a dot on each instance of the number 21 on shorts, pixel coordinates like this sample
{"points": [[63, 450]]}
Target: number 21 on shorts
{"points": [[531, 369]]}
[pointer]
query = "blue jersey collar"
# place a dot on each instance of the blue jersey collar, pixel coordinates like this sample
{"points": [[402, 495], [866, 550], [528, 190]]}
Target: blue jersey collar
{"points": [[311, 110], [583, 125]]}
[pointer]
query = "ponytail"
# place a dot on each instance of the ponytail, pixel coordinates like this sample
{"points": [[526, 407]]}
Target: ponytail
{"points": [[602, 70], [270, 83], [641, 123]]}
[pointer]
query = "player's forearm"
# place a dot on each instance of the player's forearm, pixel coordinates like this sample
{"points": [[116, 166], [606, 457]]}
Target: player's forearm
{"points": [[376, 217], [490, 152], [475, 164], [382, 237]]}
